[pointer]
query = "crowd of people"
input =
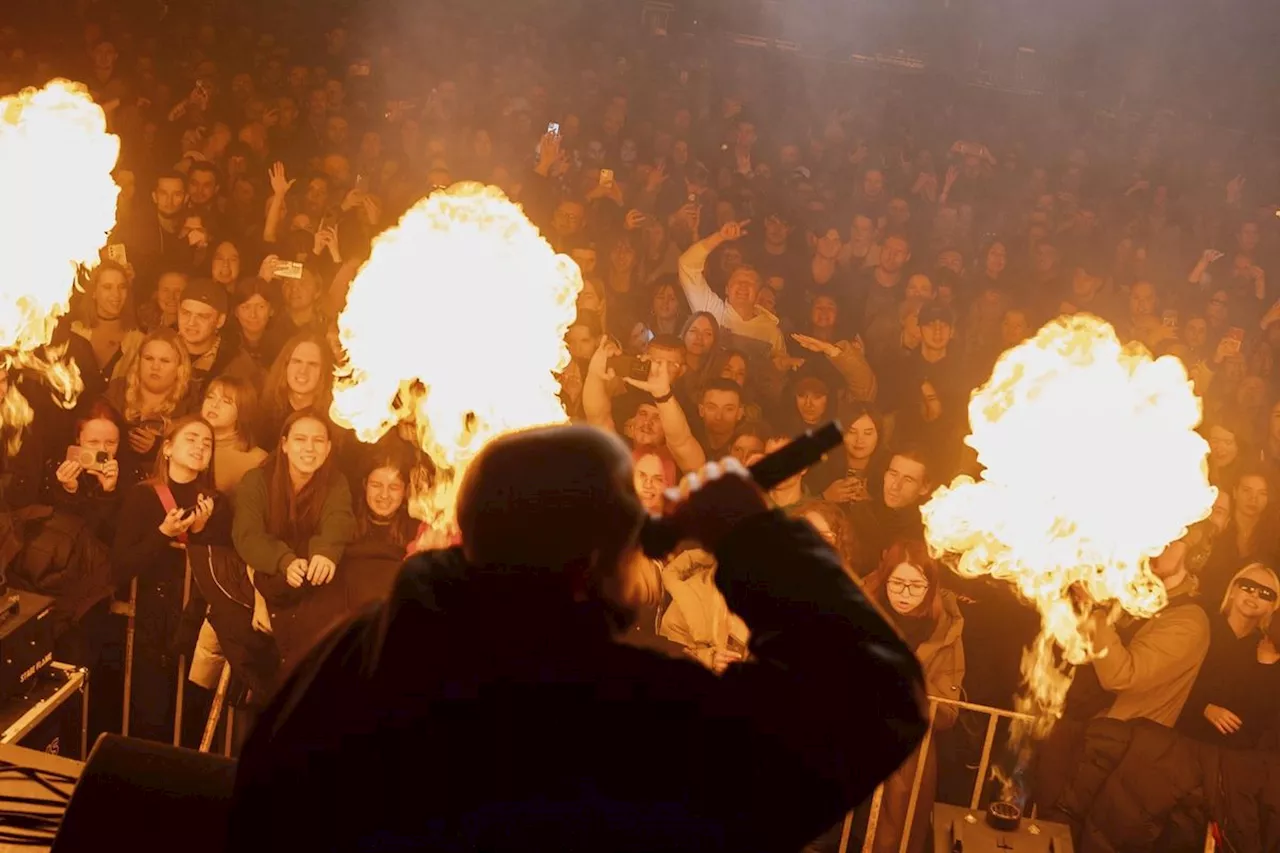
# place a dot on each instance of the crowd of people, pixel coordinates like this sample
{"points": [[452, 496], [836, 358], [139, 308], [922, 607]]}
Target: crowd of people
{"points": [[764, 248]]}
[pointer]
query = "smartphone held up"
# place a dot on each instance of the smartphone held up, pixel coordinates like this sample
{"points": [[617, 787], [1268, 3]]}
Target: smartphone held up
{"points": [[89, 460]]}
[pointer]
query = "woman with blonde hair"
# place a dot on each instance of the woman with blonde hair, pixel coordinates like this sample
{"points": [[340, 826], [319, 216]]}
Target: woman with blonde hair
{"points": [[148, 397], [907, 588], [107, 321], [1236, 694]]}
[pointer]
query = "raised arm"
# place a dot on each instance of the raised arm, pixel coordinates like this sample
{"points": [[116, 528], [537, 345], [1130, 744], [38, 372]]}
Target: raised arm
{"points": [[686, 450], [597, 405], [1196, 276], [1171, 644], [848, 358], [275, 210], [691, 266]]}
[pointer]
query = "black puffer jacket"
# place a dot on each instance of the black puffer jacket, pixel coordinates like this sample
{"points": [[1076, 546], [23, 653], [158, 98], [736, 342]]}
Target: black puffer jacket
{"points": [[63, 559], [1141, 787]]}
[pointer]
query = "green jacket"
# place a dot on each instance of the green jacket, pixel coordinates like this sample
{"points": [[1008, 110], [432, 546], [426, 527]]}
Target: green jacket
{"points": [[269, 554]]}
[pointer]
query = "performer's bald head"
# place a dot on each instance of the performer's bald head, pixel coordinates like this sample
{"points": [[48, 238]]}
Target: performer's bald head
{"points": [[554, 498]]}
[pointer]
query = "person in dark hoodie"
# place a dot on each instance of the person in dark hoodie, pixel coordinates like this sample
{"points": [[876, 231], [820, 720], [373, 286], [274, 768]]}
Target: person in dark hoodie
{"points": [[894, 513], [494, 680]]}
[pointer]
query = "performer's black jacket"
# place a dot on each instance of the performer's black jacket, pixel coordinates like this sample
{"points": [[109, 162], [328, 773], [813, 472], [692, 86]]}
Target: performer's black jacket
{"points": [[476, 713]]}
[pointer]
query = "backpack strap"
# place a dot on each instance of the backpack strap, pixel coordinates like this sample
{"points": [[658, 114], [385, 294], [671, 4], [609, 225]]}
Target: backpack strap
{"points": [[166, 500]]}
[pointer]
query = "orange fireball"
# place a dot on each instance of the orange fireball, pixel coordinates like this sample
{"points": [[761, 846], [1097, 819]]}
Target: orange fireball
{"points": [[1092, 466], [57, 208], [456, 324]]}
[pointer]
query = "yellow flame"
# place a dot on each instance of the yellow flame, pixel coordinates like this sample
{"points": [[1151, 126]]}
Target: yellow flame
{"points": [[57, 208], [455, 323], [1092, 467]]}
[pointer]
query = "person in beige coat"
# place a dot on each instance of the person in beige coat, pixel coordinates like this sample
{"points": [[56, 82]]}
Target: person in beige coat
{"points": [[906, 587], [698, 618]]}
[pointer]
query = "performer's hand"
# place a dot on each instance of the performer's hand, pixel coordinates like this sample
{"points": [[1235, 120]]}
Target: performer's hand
{"points": [[713, 500]]}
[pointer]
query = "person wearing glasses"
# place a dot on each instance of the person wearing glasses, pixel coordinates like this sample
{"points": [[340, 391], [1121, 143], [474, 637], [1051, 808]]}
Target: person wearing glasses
{"points": [[1235, 695], [906, 586]]}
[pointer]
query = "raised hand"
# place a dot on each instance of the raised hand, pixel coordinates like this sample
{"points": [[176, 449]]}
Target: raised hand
{"points": [[267, 269], [1235, 188], [599, 367], [814, 345], [659, 382], [279, 184], [734, 230]]}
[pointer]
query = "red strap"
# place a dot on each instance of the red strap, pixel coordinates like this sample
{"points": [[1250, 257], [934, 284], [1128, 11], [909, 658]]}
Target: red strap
{"points": [[166, 500]]}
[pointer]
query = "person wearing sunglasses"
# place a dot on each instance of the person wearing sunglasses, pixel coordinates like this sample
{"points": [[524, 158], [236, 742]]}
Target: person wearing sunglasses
{"points": [[907, 587], [1236, 693]]}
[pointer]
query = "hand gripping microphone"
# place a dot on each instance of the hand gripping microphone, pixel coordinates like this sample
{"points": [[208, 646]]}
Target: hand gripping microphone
{"points": [[659, 536]]}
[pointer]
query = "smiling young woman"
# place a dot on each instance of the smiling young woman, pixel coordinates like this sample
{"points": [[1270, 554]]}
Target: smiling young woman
{"points": [[177, 506], [293, 522]]}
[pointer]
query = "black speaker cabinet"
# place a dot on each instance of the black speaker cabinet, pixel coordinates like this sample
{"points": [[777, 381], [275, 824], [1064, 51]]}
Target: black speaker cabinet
{"points": [[148, 797]]}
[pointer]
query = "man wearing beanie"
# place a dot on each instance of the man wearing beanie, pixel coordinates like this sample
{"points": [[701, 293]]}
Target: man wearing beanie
{"points": [[201, 316]]}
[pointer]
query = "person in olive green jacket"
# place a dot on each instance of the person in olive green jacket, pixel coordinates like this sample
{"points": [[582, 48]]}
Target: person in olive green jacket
{"points": [[293, 521]]}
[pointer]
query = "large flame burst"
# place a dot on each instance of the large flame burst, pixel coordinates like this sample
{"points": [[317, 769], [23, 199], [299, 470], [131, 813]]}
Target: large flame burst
{"points": [[1092, 467], [57, 208], [455, 323]]}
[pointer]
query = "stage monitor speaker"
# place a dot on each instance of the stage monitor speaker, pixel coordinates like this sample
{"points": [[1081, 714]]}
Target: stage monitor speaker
{"points": [[148, 797]]}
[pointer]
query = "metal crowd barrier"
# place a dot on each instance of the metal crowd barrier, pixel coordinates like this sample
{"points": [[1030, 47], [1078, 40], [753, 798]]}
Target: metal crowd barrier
{"points": [[993, 718]]}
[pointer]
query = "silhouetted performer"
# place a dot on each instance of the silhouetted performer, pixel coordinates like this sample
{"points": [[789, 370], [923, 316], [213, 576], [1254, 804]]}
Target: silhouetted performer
{"points": [[487, 706]]}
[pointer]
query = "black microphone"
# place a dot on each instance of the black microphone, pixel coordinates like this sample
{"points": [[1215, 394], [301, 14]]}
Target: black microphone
{"points": [[659, 537]]}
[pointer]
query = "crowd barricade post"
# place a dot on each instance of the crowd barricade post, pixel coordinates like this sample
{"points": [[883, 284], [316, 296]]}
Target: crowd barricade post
{"points": [[128, 609], [215, 711], [182, 660]]}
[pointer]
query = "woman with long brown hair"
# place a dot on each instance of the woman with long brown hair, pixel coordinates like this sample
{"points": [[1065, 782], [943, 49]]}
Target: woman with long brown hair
{"points": [[384, 529], [177, 506], [231, 408], [148, 397], [300, 379], [293, 522], [906, 586]]}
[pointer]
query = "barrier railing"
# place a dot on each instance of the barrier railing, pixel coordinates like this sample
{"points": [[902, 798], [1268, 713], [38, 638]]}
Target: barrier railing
{"points": [[994, 715]]}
